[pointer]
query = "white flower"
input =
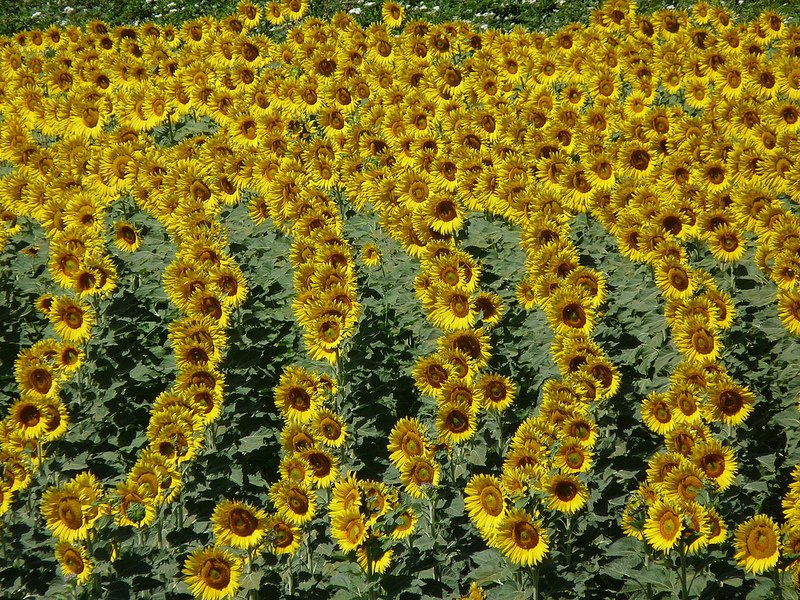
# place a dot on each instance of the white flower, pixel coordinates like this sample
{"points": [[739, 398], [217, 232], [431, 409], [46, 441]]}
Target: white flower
{"points": [[355, 10]]}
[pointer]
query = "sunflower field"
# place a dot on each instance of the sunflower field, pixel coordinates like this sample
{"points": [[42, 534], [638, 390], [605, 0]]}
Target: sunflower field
{"points": [[301, 307]]}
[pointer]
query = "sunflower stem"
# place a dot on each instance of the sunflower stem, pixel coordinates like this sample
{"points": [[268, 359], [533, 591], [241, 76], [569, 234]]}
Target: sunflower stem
{"points": [[309, 557], [290, 577], [777, 576], [432, 531], [499, 423], [535, 582], [684, 589], [570, 525]]}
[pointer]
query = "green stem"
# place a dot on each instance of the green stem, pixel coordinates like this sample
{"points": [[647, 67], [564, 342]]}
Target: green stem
{"points": [[684, 589], [498, 421], [371, 587], [309, 561], [290, 577], [777, 576], [536, 583], [570, 525], [432, 531]]}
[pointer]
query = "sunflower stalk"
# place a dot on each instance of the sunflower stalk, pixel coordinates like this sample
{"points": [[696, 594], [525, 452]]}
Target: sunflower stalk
{"points": [[777, 577], [290, 577], [499, 423], [570, 526], [682, 572], [437, 575], [535, 582], [309, 556]]}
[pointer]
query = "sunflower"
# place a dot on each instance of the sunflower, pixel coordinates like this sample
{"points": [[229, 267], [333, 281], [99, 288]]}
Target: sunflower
{"points": [[521, 538], [456, 421], [567, 493], [572, 456], [74, 562], [674, 279], [238, 525], [392, 14], [27, 417], [66, 514], [324, 466], [349, 529], [371, 255], [490, 308], [372, 557], [472, 342], [56, 418], [726, 243], [496, 392], [431, 373], [697, 340], [407, 440], [683, 404], [346, 495], [72, 319], [717, 462], [212, 573], [294, 502], [657, 414], [404, 524], [663, 526], [728, 402], [789, 310], [757, 544], [418, 474], [126, 236], [582, 428], [331, 428], [718, 531], [569, 310], [485, 501], [452, 308], [297, 395], [682, 483]]}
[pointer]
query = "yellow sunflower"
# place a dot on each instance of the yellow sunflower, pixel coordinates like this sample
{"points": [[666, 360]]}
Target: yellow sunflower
{"points": [[521, 538], [566, 492], [485, 501], [72, 319], [663, 526], [238, 525], [419, 474], [349, 529], [728, 402], [74, 562], [282, 536], [212, 573], [407, 440], [569, 311], [716, 461], [496, 392], [757, 544], [126, 236]]}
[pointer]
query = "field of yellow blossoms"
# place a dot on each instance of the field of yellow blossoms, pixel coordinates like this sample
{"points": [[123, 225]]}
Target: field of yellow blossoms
{"points": [[296, 308]]}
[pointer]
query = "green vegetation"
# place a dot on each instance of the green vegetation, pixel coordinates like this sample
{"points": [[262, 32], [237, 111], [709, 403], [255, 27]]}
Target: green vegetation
{"points": [[545, 15]]}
